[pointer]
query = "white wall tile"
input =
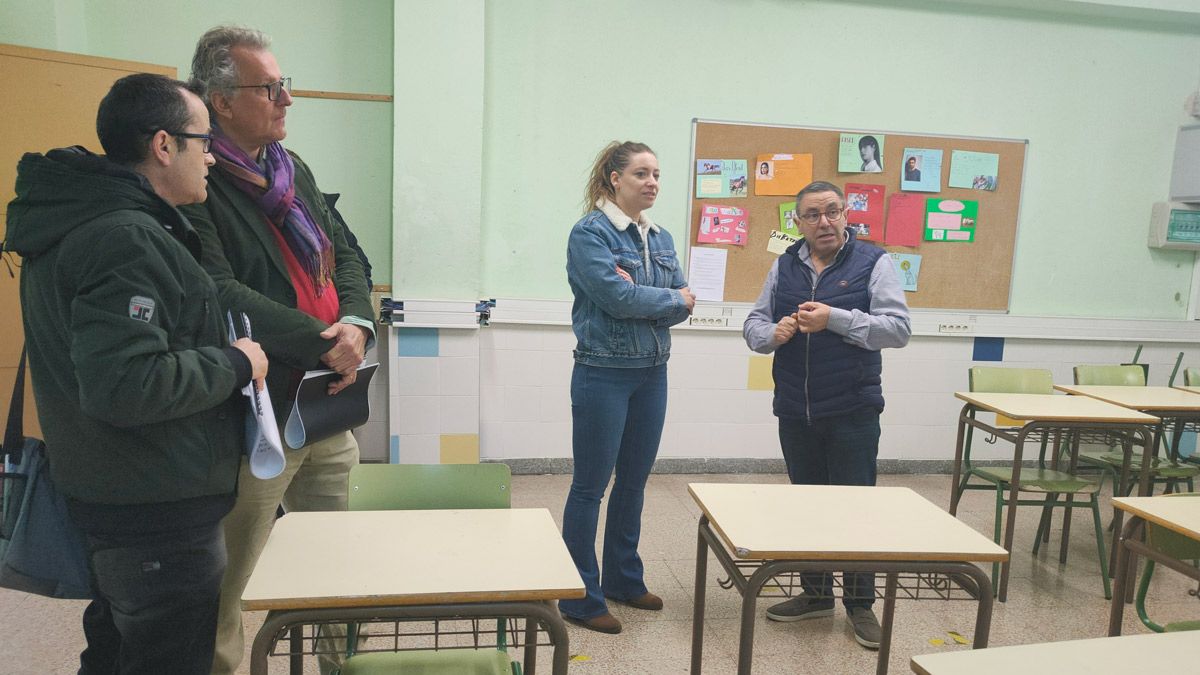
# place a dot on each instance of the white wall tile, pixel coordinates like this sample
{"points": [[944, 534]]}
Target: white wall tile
{"points": [[416, 376], [558, 339], [508, 336], [420, 449], [516, 368], [491, 403], [458, 376], [521, 404], [556, 369], [416, 415], [460, 342], [554, 404], [458, 414]]}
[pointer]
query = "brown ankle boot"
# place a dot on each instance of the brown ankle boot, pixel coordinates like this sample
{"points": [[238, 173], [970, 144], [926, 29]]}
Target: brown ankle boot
{"points": [[605, 623], [648, 601]]}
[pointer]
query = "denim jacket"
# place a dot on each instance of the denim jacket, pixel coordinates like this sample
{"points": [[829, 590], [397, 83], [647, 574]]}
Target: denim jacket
{"points": [[620, 324]]}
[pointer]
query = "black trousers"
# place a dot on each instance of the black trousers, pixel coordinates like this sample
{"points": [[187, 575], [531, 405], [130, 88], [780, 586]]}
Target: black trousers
{"points": [[833, 451], [155, 606]]}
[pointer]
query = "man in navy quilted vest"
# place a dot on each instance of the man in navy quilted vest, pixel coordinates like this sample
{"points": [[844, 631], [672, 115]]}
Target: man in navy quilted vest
{"points": [[829, 305]]}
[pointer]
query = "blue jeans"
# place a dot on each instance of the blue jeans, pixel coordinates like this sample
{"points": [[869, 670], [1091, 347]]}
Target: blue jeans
{"points": [[833, 451], [155, 606], [618, 418]]}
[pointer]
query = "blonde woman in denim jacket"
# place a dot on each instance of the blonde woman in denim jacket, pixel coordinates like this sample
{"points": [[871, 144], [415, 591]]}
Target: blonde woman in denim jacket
{"points": [[629, 290]]}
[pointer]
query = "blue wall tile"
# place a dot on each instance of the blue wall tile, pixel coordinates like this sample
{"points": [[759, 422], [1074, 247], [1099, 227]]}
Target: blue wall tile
{"points": [[394, 455], [417, 342], [988, 349]]}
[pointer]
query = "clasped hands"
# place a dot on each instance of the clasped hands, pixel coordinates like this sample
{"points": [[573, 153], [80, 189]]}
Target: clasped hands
{"points": [[346, 354], [810, 317]]}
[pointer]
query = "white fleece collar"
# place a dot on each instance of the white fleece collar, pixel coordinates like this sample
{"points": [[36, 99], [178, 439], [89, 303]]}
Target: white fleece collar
{"points": [[618, 218]]}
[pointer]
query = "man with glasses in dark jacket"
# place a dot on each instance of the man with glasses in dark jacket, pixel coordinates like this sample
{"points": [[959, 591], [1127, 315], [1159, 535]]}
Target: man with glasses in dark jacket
{"points": [[135, 380]]}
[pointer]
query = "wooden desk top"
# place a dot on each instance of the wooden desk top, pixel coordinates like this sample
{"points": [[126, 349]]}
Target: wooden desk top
{"points": [[380, 558], [1128, 654], [1055, 408], [1138, 398], [1181, 514], [823, 522], [1180, 387]]}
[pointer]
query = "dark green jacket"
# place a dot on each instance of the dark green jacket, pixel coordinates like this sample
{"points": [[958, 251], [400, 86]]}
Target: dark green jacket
{"points": [[241, 255], [127, 350]]}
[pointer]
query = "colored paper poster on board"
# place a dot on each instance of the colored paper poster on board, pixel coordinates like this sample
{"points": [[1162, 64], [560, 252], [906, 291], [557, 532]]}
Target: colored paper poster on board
{"points": [[975, 170], [864, 210], [787, 218], [908, 266], [706, 273], [950, 219], [922, 170], [721, 224], [720, 178], [781, 174], [779, 242], [905, 220], [860, 153]]}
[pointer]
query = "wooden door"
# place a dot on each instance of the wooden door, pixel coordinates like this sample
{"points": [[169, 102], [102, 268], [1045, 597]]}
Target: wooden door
{"points": [[48, 100]]}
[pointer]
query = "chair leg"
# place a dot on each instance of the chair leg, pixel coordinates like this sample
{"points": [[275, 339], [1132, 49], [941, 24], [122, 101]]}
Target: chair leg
{"points": [[1101, 549], [1043, 531], [996, 536], [1066, 530]]}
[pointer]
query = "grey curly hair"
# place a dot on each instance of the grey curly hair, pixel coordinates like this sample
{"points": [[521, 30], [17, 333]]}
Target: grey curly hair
{"points": [[212, 64]]}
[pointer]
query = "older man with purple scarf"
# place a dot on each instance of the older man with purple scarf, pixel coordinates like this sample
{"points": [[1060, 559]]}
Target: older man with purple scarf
{"points": [[277, 254]]}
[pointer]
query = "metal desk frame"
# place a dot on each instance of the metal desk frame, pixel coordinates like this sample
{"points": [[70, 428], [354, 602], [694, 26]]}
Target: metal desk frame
{"points": [[534, 612], [966, 575], [1018, 439]]}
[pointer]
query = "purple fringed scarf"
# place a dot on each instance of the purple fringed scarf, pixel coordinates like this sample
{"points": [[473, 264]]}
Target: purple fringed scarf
{"points": [[275, 194]]}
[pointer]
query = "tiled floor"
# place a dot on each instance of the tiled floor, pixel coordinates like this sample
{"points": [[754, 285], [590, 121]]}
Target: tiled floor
{"points": [[1047, 601]]}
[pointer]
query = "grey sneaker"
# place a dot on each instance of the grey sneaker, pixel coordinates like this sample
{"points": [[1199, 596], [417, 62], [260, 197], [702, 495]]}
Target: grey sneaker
{"points": [[801, 607], [865, 625]]}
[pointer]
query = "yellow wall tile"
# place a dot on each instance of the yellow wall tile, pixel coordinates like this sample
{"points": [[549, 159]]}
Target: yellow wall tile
{"points": [[460, 448], [759, 377]]}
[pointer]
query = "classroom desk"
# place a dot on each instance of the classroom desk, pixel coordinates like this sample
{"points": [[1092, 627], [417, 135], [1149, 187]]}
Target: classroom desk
{"points": [[1045, 413], [354, 565], [1178, 514], [1167, 403], [1146, 653], [774, 529]]}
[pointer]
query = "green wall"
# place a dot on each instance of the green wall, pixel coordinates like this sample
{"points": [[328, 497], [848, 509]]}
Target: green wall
{"points": [[501, 106], [1099, 105], [334, 46]]}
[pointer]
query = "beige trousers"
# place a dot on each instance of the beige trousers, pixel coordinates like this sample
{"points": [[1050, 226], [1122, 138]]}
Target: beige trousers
{"points": [[315, 479]]}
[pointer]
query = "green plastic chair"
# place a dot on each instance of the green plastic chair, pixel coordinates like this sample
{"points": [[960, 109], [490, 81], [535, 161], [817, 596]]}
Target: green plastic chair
{"points": [[1171, 544], [383, 487], [1170, 472], [1048, 482], [1191, 377]]}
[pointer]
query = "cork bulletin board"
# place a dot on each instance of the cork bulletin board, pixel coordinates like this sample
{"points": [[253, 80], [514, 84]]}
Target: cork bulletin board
{"points": [[953, 275]]}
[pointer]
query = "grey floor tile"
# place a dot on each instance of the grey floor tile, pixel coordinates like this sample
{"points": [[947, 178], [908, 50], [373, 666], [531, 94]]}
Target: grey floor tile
{"points": [[1048, 600]]}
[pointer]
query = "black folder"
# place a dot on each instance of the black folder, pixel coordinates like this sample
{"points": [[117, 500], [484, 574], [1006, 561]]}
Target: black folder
{"points": [[316, 415]]}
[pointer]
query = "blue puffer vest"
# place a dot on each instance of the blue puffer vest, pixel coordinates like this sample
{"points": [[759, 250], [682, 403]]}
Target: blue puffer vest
{"points": [[820, 374]]}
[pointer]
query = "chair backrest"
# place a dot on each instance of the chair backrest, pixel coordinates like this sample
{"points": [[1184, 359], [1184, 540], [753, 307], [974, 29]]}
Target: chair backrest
{"points": [[385, 487], [1172, 543], [1191, 377], [1011, 380], [1124, 376]]}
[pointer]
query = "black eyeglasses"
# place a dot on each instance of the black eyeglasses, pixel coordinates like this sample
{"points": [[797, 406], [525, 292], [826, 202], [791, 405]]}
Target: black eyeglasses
{"points": [[814, 217], [273, 89], [207, 138]]}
